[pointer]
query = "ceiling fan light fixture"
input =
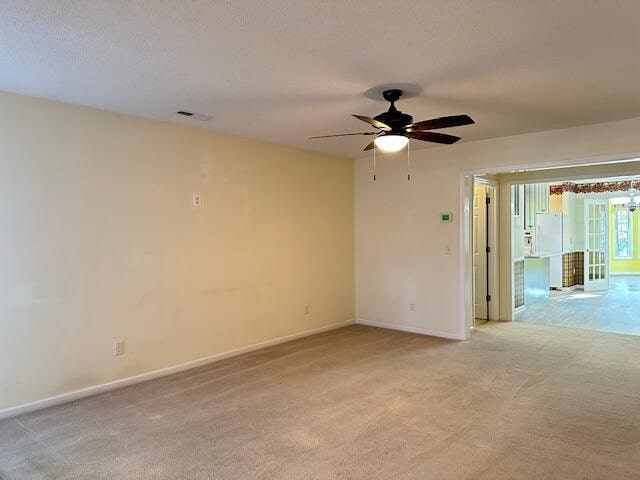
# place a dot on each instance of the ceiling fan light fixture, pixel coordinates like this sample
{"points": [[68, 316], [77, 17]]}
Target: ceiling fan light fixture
{"points": [[391, 143]]}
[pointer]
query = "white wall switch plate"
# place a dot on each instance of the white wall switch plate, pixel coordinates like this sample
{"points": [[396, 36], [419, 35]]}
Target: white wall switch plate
{"points": [[118, 348]]}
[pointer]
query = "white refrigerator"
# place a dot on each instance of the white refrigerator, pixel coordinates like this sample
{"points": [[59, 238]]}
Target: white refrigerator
{"points": [[549, 242]]}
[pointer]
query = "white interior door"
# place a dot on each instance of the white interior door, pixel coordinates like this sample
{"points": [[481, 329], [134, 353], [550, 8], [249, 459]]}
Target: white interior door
{"points": [[596, 256], [479, 251]]}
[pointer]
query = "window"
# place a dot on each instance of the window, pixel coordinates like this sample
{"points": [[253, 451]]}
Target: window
{"points": [[622, 233], [536, 200]]}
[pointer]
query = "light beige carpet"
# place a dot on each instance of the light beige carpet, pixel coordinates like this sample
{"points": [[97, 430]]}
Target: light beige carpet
{"points": [[518, 401]]}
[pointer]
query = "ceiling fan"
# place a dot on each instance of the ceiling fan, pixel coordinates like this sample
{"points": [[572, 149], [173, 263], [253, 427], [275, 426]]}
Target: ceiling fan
{"points": [[396, 128]]}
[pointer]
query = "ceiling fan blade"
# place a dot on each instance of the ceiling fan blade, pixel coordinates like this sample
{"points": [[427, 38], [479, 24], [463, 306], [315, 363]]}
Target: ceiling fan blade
{"points": [[373, 122], [346, 134], [369, 147], [433, 137], [442, 122]]}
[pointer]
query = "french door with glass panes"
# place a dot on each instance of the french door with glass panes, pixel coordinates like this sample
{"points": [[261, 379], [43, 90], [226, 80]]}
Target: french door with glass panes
{"points": [[596, 255]]}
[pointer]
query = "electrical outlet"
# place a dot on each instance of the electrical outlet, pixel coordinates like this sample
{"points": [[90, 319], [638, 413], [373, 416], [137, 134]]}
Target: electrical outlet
{"points": [[447, 250], [412, 307], [118, 348], [306, 309], [197, 200]]}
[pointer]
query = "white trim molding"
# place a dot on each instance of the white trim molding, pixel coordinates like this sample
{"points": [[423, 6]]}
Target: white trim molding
{"points": [[143, 377], [411, 329], [577, 286]]}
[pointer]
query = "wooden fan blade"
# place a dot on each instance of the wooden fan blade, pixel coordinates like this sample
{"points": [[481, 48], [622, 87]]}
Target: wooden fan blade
{"points": [[346, 134], [369, 147], [433, 137], [442, 122], [373, 122]]}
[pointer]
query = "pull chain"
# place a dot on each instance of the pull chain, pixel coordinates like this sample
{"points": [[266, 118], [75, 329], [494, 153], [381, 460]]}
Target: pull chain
{"points": [[374, 162], [409, 160]]}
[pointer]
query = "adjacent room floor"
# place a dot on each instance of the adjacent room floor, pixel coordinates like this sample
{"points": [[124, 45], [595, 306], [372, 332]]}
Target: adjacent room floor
{"points": [[517, 401], [613, 310]]}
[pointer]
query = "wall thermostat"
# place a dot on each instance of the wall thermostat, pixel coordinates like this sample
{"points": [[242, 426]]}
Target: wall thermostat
{"points": [[446, 217]]}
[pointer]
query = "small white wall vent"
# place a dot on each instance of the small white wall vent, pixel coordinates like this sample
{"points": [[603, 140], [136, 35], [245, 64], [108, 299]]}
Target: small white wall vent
{"points": [[197, 116]]}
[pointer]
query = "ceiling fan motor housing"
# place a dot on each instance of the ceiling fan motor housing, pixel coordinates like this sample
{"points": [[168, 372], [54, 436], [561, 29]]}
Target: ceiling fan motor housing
{"points": [[393, 117]]}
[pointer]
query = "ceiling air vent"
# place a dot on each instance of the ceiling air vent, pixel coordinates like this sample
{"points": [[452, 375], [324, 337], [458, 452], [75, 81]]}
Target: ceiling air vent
{"points": [[197, 116]]}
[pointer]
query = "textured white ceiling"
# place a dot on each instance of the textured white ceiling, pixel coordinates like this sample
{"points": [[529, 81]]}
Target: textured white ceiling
{"points": [[282, 71]]}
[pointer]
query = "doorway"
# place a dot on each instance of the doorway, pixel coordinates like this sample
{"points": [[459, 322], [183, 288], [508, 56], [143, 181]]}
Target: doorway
{"points": [[574, 259], [484, 236], [509, 244]]}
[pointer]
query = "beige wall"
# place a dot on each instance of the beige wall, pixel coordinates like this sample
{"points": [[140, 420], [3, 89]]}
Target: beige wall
{"points": [[100, 242], [401, 246]]}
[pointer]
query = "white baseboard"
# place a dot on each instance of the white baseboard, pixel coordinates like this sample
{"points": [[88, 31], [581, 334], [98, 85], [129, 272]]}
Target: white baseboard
{"points": [[623, 274], [572, 288], [105, 387], [408, 328]]}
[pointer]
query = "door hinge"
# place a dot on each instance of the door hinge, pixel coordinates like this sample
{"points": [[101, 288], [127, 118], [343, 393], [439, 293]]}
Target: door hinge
{"points": [[487, 249], [488, 298], [488, 200]]}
